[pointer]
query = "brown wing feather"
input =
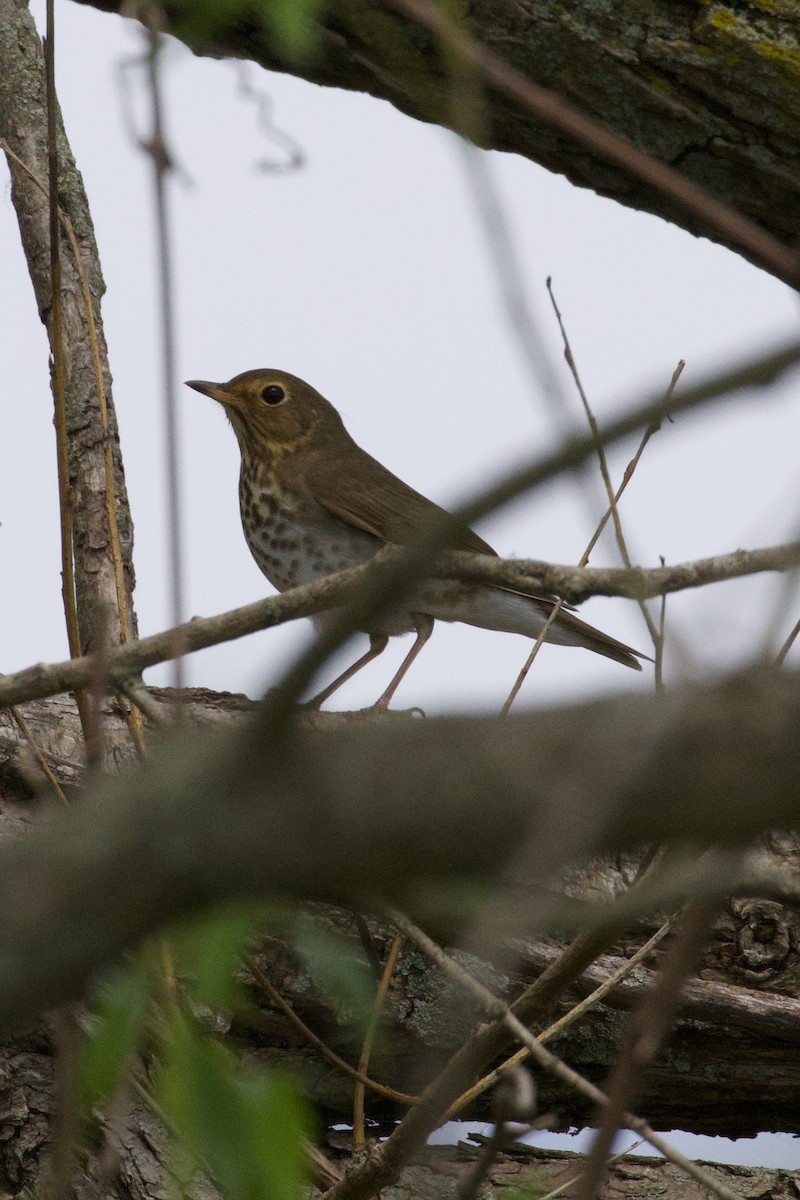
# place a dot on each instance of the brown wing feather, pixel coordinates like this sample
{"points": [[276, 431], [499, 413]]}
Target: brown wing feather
{"points": [[373, 499], [370, 497]]}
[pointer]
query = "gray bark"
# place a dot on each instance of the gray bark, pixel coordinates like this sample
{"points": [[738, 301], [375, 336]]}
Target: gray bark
{"points": [[23, 123], [711, 89]]}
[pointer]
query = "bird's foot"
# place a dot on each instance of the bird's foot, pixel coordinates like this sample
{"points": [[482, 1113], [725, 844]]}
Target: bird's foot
{"points": [[381, 708]]}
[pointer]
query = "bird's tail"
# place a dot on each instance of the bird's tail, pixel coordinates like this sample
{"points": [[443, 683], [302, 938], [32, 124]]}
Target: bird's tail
{"points": [[515, 612]]}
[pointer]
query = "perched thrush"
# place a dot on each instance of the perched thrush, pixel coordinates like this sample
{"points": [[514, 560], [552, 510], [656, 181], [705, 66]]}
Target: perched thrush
{"points": [[313, 502]]}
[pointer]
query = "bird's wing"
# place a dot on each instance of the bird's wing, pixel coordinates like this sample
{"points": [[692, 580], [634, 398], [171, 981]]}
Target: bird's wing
{"points": [[373, 499]]}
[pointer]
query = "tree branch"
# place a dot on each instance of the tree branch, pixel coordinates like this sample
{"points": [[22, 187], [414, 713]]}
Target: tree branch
{"points": [[93, 441], [709, 90], [217, 816], [575, 584]]}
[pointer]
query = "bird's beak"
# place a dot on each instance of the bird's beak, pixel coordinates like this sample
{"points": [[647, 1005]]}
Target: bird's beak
{"points": [[217, 391]]}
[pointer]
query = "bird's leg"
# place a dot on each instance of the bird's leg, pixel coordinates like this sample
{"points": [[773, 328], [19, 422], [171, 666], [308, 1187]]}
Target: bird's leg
{"points": [[424, 627], [377, 645]]}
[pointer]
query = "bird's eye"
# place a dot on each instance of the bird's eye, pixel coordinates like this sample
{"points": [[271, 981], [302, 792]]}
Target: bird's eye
{"points": [[273, 393]]}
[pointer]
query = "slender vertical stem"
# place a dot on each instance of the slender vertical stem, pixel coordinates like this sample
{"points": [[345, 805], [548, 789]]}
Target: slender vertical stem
{"points": [[161, 166]]}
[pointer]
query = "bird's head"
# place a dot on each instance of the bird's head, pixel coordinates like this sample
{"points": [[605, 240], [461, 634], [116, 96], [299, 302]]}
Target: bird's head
{"points": [[271, 411]]}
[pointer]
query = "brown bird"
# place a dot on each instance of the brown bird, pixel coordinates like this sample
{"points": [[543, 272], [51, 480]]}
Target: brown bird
{"points": [[313, 502]]}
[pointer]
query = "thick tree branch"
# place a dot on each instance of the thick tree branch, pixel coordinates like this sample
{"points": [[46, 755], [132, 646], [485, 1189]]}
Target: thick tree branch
{"points": [[233, 815], [710, 90], [23, 126]]}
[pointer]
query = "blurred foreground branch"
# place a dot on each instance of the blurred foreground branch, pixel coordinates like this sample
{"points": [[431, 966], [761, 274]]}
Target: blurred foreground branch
{"points": [[214, 816]]}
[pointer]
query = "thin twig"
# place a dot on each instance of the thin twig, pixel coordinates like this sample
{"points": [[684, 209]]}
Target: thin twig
{"points": [[614, 499], [141, 699], [278, 1000], [263, 102], [646, 1031], [514, 1113], [497, 1010], [559, 1191], [659, 642], [368, 945], [97, 693], [38, 754], [156, 148], [601, 454], [787, 645], [519, 313], [563, 1023], [359, 1138], [66, 1119]]}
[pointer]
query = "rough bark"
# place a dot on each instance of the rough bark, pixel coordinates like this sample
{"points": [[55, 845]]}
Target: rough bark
{"points": [[742, 1012], [710, 88], [730, 1066], [155, 843], [23, 123]]}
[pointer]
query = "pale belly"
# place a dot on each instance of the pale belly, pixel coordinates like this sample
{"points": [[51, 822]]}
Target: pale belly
{"points": [[296, 545]]}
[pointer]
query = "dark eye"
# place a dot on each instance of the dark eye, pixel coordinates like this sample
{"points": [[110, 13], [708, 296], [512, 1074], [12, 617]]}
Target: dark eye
{"points": [[273, 394]]}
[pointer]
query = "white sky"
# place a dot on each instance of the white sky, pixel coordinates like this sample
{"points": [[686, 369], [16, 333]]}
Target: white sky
{"points": [[367, 273]]}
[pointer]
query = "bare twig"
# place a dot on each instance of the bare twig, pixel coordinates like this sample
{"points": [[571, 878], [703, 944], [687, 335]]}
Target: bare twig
{"points": [[659, 641], [645, 1034], [497, 1010], [278, 1000], [787, 645], [612, 509], [98, 690], [559, 1191], [514, 1111], [155, 147], [44, 765], [519, 313], [601, 454], [575, 584], [141, 701], [263, 102], [359, 1138], [563, 1023]]}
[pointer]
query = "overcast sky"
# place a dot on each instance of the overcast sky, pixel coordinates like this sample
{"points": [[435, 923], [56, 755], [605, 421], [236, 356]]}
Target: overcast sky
{"points": [[367, 272]]}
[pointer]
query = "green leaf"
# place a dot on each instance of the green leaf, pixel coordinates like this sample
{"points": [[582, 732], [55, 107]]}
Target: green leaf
{"points": [[334, 969], [245, 1126], [114, 1031], [208, 954]]}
